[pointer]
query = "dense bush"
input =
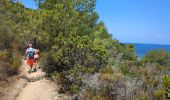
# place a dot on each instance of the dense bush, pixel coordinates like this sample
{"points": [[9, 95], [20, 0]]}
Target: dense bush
{"points": [[158, 56], [78, 51], [166, 83], [10, 62], [10, 57]]}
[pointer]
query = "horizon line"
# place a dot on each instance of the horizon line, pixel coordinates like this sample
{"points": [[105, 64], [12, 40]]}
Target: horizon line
{"points": [[145, 43]]}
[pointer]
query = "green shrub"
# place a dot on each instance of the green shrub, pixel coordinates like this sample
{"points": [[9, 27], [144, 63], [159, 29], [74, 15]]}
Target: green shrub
{"points": [[159, 94], [90, 70], [4, 68], [144, 96], [10, 61], [43, 59], [158, 56], [16, 60], [47, 64], [4, 54], [107, 74], [56, 75], [78, 51], [166, 83], [74, 89]]}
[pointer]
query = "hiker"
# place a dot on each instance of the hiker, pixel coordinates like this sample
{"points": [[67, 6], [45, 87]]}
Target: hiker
{"points": [[36, 58], [29, 56]]}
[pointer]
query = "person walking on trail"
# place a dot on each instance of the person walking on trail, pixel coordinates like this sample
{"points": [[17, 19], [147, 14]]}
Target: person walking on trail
{"points": [[36, 58], [29, 54]]}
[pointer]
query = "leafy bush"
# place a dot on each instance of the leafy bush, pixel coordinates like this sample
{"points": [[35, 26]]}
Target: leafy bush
{"points": [[3, 70], [9, 63], [107, 74], [74, 88], [80, 50], [44, 60], [159, 94], [158, 56], [166, 83], [4, 54], [144, 97], [10, 58], [16, 60], [56, 76]]}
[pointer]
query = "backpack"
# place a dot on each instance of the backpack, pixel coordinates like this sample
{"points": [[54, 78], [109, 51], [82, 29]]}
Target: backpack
{"points": [[30, 53]]}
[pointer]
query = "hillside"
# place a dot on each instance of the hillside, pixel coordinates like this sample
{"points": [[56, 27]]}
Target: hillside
{"points": [[78, 56]]}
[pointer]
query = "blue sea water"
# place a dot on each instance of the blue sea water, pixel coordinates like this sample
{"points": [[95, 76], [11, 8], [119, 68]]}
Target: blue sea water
{"points": [[142, 49]]}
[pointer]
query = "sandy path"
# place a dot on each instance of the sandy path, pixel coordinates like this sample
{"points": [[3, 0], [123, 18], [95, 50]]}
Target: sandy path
{"points": [[39, 88], [34, 86]]}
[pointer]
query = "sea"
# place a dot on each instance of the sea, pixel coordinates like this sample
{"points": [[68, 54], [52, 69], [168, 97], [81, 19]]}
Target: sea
{"points": [[142, 49]]}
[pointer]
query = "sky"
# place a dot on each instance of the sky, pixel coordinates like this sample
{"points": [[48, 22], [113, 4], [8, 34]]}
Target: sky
{"points": [[133, 21]]}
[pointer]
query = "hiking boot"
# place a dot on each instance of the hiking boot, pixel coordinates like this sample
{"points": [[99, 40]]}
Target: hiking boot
{"points": [[34, 70]]}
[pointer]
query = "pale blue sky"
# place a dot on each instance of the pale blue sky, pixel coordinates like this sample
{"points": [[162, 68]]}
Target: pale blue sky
{"points": [[133, 21]]}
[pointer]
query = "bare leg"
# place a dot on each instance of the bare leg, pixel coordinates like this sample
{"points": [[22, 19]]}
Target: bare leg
{"points": [[31, 67], [28, 67], [38, 65], [35, 66]]}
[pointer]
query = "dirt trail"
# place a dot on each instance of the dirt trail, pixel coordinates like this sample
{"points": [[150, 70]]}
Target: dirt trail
{"points": [[38, 87], [39, 90], [34, 86]]}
